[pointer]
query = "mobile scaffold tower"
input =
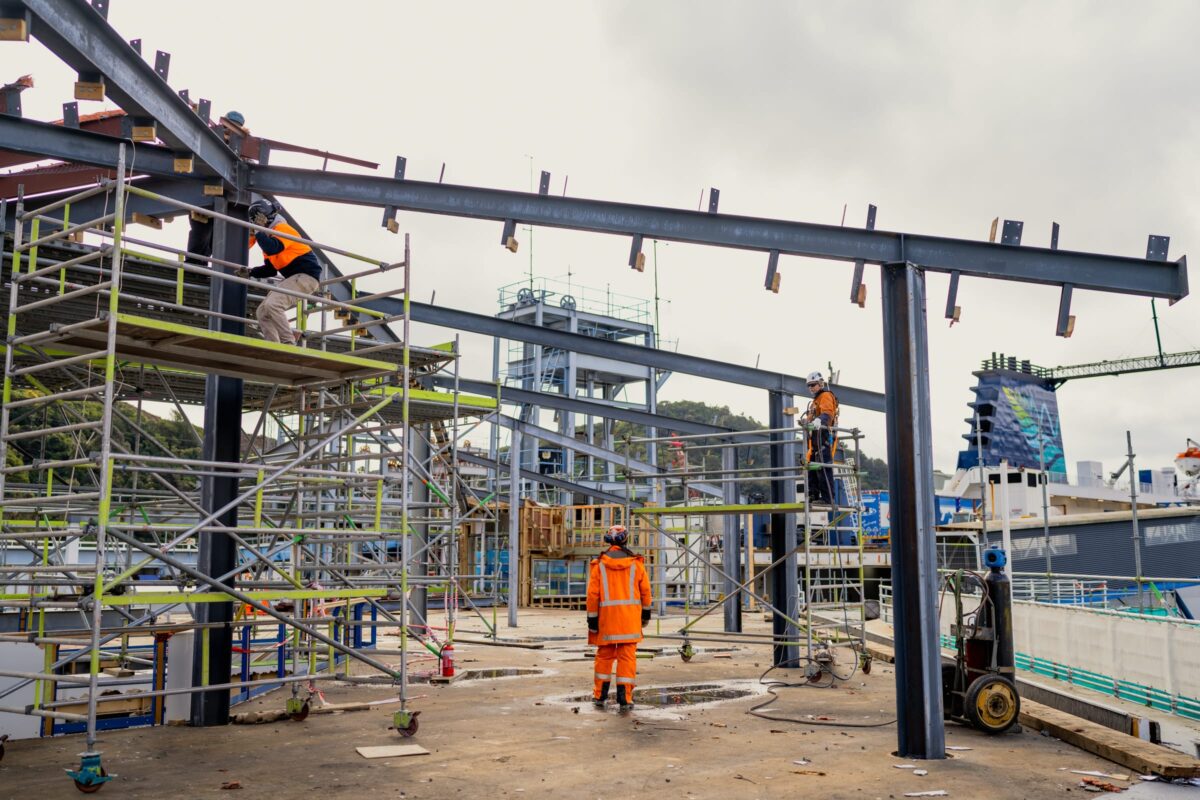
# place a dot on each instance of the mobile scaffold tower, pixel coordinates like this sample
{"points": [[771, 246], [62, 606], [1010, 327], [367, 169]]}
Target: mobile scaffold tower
{"points": [[818, 589], [347, 522]]}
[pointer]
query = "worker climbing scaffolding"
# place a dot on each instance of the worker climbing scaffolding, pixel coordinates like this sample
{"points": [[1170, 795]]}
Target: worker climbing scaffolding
{"points": [[821, 419], [618, 607], [292, 261]]}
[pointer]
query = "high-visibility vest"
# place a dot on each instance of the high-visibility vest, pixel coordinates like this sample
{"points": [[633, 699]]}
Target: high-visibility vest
{"points": [[291, 249]]}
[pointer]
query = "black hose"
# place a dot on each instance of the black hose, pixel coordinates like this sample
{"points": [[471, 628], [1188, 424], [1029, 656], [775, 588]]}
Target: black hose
{"points": [[774, 685]]}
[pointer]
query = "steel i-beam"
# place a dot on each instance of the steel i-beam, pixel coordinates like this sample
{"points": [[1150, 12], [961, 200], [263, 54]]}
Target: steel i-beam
{"points": [[910, 481]]}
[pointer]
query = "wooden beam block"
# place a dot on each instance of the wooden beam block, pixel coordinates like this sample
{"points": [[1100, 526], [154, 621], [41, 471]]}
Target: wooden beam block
{"points": [[1117, 747], [775, 282], [511, 244], [14, 30], [639, 263], [393, 226], [862, 296], [185, 164], [214, 189], [144, 133], [198, 217], [147, 220], [89, 90]]}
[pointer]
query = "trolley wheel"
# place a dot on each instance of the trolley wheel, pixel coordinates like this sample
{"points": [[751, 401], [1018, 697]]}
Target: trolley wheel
{"points": [[687, 652], [951, 701], [993, 704], [409, 728], [3, 739], [865, 666], [302, 714], [90, 788]]}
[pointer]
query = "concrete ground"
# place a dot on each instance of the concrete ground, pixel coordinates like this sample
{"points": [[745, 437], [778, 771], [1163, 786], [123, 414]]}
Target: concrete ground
{"points": [[525, 737]]}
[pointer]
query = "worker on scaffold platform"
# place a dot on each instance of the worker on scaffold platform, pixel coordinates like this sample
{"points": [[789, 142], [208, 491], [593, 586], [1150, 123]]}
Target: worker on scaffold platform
{"points": [[821, 418], [292, 261], [618, 607]]}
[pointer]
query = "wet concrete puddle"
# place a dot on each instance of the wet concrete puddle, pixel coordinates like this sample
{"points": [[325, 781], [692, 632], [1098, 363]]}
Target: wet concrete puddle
{"points": [[682, 695]]}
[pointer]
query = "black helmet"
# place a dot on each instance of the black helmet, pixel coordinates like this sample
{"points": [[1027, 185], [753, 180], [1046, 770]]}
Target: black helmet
{"points": [[262, 206]]}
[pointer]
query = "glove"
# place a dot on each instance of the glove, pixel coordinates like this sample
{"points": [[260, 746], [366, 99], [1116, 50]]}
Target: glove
{"points": [[814, 424], [242, 272], [593, 624], [645, 616]]}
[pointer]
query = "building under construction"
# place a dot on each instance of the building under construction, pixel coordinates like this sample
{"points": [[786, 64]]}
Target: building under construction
{"points": [[208, 539]]}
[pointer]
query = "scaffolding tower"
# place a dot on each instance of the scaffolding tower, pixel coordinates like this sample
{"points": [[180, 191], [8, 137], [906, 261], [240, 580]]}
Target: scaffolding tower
{"points": [[822, 607], [342, 525]]}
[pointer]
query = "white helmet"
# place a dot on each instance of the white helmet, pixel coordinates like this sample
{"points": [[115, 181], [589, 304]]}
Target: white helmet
{"points": [[816, 377]]}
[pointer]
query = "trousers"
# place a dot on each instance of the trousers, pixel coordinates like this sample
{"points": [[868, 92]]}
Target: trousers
{"points": [[626, 657], [272, 312]]}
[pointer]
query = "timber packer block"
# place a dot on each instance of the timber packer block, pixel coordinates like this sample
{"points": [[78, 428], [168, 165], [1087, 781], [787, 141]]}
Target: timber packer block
{"points": [[14, 29], [147, 220], [214, 189], [89, 90], [144, 133], [185, 164]]}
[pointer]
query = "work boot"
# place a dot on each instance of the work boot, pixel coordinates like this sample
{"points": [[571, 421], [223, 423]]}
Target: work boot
{"points": [[624, 699], [599, 702]]}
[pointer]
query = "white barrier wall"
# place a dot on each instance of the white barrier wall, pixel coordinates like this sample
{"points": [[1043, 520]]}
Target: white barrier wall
{"points": [[1157, 652]]}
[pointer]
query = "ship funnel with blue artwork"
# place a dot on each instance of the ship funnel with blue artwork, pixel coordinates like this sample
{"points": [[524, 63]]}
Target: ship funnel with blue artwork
{"points": [[1017, 415]]}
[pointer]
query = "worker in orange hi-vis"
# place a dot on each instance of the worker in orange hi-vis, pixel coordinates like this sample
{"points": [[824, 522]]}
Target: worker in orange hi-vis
{"points": [[618, 607]]}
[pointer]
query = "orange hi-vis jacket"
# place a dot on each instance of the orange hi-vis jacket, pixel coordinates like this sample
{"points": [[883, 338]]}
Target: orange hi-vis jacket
{"points": [[824, 406], [618, 590], [291, 249]]}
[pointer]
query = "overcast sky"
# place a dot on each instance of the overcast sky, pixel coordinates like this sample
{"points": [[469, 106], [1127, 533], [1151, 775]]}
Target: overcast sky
{"points": [[945, 115]]}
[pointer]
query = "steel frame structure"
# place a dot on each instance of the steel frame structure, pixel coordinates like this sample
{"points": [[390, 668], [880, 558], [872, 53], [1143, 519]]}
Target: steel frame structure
{"points": [[79, 33]]}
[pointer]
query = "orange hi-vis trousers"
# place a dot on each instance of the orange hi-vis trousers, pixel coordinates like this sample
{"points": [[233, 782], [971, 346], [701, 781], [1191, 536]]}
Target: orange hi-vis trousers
{"points": [[626, 657]]}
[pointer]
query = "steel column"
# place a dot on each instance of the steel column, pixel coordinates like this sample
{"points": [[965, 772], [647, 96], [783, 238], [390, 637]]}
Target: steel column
{"points": [[784, 587], [730, 547], [910, 481], [514, 529], [222, 442]]}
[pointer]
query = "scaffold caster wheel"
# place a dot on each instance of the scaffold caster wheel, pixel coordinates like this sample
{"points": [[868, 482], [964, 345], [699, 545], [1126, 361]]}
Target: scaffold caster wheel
{"points": [[298, 709], [3, 739], [992, 704], [405, 723], [687, 652], [866, 663], [91, 776]]}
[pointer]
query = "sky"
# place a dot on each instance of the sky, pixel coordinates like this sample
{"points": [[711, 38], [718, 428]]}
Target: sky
{"points": [[945, 115]]}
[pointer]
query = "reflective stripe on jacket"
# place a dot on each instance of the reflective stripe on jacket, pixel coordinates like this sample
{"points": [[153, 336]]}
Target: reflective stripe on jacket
{"points": [[618, 590]]}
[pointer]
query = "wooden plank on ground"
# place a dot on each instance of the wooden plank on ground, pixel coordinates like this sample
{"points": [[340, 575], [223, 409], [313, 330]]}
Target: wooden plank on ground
{"points": [[392, 751], [1117, 747]]}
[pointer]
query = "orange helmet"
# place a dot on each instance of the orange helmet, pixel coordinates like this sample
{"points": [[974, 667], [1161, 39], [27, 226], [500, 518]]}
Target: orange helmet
{"points": [[617, 535]]}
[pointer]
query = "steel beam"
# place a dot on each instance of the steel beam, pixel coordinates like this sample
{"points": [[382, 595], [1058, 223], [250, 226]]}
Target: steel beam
{"points": [[33, 141], [730, 548], [598, 495], [218, 553], [910, 481], [784, 578], [73, 31], [1137, 276], [577, 405], [637, 354]]}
